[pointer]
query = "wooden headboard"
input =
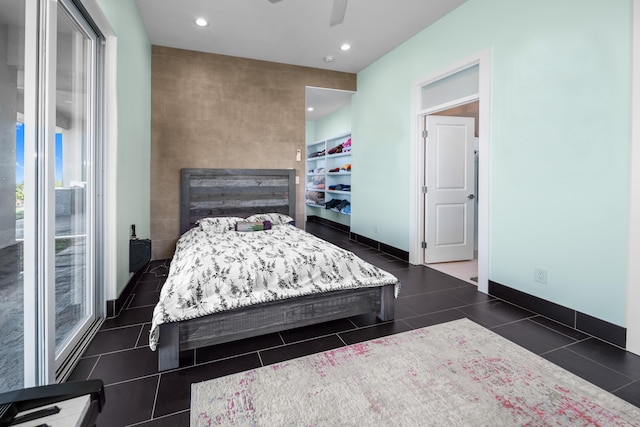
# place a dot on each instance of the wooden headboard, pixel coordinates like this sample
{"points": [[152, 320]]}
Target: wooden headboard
{"points": [[235, 192]]}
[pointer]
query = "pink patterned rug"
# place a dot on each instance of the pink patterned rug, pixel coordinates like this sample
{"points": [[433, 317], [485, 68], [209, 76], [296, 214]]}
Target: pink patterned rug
{"points": [[453, 374]]}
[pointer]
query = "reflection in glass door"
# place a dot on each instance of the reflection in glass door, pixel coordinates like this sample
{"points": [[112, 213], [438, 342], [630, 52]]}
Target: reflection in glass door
{"points": [[12, 183], [73, 181]]}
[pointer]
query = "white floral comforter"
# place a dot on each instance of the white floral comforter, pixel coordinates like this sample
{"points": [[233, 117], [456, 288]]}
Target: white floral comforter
{"points": [[212, 272]]}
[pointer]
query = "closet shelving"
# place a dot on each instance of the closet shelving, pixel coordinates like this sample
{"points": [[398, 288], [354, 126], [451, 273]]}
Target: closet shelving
{"points": [[328, 177]]}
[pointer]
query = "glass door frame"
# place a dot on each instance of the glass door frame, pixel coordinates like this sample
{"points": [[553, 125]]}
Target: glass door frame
{"points": [[41, 363]]}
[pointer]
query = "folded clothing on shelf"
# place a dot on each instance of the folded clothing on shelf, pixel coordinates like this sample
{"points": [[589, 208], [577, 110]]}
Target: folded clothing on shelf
{"points": [[316, 182], [341, 148], [338, 205], [340, 187], [317, 154], [335, 150], [315, 197], [344, 168]]}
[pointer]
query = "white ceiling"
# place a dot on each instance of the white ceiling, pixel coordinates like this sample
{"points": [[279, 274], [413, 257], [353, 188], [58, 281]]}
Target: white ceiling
{"points": [[295, 32]]}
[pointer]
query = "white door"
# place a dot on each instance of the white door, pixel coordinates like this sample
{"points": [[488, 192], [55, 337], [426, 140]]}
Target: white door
{"points": [[449, 192]]}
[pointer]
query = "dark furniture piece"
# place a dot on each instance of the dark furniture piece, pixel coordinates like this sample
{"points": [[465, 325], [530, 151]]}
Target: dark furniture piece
{"points": [[139, 254], [243, 192], [80, 401]]}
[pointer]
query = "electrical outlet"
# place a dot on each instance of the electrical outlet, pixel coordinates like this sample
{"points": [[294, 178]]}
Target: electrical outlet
{"points": [[540, 275]]}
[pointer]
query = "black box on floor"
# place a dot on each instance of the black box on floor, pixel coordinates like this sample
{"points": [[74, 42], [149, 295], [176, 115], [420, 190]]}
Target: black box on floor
{"points": [[139, 253]]}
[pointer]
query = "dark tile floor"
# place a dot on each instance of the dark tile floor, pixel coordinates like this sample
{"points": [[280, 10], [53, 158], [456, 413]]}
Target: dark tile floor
{"points": [[137, 394]]}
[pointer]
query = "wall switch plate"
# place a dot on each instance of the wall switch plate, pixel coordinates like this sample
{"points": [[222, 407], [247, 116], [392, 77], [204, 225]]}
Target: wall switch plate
{"points": [[540, 275]]}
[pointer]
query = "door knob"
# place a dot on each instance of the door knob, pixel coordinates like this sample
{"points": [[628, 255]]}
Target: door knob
{"points": [[471, 196]]}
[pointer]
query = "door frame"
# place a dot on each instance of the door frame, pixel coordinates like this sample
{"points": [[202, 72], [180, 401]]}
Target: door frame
{"points": [[417, 163], [633, 249]]}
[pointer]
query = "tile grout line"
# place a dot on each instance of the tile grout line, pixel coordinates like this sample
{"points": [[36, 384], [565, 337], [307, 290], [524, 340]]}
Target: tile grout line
{"points": [[139, 423], [139, 336], [155, 398], [598, 363], [625, 386]]}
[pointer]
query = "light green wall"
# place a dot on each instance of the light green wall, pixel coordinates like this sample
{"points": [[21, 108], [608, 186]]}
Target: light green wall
{"points": [[560, 99], [134, 128], [335, 124], [310, 131]]}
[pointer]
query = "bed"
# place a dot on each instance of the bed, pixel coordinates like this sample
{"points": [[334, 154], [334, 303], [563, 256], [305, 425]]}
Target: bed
{"points": [[224, 285]]}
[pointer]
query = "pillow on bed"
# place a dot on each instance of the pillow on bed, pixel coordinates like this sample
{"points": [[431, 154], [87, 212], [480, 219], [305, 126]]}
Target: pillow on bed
{"points": [[219, 224], [274, 218]]}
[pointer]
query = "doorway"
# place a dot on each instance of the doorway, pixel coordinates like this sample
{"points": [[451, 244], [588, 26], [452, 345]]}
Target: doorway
{"points": [[328, 126], [460, 257], [470, 80]]}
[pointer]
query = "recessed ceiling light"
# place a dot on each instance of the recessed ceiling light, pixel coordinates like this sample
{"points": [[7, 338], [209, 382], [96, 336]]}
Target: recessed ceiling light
{"points": [[345, 47], [201, 22], [328, 58], [310, 109]]}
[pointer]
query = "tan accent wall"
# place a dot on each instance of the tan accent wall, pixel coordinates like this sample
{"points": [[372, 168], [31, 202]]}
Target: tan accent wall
{"points": [[214, 111]]}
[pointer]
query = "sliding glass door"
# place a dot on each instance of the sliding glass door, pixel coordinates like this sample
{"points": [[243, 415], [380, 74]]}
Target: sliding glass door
{"points": [[12, 184], [50, 136]]}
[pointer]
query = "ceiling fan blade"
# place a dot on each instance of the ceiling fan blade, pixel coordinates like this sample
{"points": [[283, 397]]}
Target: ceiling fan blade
{"points": [[337, 12]]}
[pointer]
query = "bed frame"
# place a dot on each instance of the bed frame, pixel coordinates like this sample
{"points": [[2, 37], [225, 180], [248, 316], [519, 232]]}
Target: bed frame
{"points": [[243, 192]]}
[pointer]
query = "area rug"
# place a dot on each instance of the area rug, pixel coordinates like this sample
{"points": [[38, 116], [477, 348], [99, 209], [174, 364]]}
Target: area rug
{"points": [[452, 374]]}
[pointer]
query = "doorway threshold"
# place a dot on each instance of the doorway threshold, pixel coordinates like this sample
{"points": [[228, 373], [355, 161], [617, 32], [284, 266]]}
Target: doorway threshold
{"points": [[463, 270]]}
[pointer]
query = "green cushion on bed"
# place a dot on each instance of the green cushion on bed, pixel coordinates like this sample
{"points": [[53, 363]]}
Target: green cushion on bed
{"points": [[253, 225]]}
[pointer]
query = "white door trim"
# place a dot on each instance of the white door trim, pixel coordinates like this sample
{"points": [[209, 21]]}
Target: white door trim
{"points": [[633, 250], [417, 166]]}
